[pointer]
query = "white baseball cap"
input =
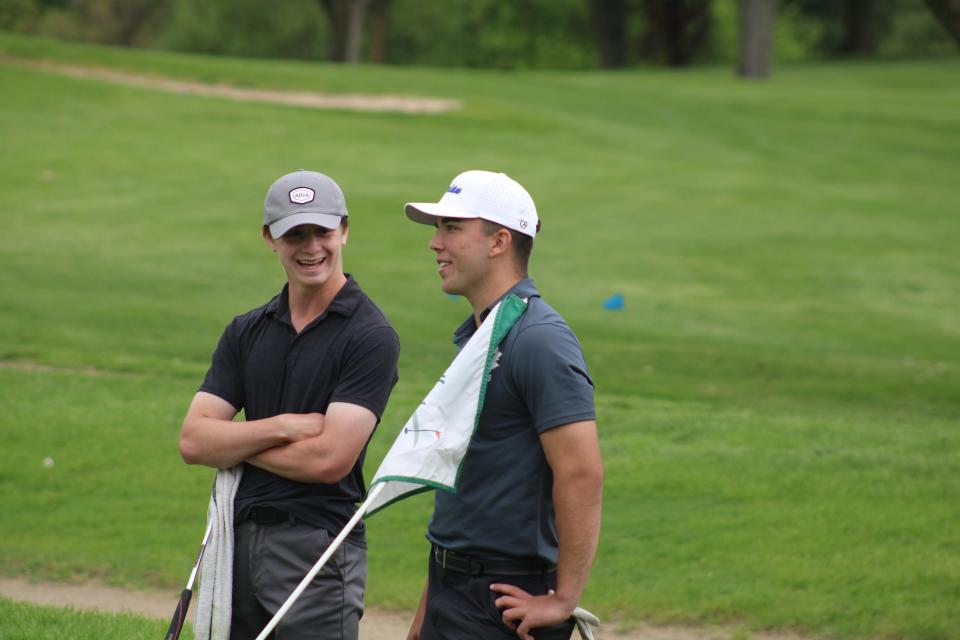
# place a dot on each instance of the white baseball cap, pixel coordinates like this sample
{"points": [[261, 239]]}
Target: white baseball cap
{"points": [[481, 194]]}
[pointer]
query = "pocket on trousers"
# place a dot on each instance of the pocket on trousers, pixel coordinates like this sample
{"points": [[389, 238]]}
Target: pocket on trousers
{"points": [[319, 542]]}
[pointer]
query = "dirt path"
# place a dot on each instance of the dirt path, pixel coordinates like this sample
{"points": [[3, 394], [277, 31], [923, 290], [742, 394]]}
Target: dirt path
{"points": [[348, 102], [376, 624]]}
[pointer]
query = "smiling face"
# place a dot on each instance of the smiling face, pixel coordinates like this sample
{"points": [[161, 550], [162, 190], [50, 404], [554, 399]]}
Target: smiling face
{"points": [[311, 255], [464, 250]]}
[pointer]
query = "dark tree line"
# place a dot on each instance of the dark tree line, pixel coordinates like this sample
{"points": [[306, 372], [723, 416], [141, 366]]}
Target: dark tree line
{"points": [[948, 13], [501, 33]]}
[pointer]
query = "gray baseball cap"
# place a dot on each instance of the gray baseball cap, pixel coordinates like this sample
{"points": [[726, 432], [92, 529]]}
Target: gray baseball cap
{"points": [[303, 197]]}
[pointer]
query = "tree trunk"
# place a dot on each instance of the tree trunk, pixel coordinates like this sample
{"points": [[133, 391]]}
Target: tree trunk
{"points": [[756, 38], [858, 20], [355, 18], [346, 28], [681, 28], [336, 11], [130, 18], [948, 13], [379, 22], [610, 24]]}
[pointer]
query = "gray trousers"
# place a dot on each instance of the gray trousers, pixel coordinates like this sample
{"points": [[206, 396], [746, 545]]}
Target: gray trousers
{"points": [[269, 562]]}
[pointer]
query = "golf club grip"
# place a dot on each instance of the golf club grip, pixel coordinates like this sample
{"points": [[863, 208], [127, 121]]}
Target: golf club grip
{"points": [[176, 625]]}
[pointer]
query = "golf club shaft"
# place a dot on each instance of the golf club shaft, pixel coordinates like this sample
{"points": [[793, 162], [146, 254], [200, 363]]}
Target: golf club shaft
{"points": [[179, 616], [374, 492], [183, 604], [203, 547]]}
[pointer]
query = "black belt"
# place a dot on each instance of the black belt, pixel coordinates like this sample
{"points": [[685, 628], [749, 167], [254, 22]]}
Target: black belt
{"points": [[475, 566], [265, 514]]}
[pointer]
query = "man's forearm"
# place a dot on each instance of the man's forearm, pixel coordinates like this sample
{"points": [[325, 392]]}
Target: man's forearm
{"points": [[225, 443], [326, 457], [303, 461], [577, 501]]}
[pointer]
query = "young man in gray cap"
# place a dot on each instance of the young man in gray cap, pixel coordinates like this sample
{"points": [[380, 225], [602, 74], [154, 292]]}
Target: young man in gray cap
{"points": [[311, 370], [512, 548]]}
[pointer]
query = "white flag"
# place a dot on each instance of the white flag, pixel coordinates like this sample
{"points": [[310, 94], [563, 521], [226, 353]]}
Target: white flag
{"points": [[429, 450]]}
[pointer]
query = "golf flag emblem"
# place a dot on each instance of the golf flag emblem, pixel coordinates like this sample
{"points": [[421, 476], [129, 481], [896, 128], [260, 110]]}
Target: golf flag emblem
{"points": [[429, 450]]}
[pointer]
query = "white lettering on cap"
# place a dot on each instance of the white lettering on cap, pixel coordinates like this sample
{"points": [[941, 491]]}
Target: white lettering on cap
{"points": [[301, 195]]}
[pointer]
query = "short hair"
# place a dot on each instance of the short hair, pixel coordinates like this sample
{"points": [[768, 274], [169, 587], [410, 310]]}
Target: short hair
{"points": [[522, 243], [344, 224]]}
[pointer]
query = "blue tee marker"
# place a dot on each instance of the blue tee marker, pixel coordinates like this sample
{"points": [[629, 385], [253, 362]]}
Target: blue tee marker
{"points": [[614, 302]]}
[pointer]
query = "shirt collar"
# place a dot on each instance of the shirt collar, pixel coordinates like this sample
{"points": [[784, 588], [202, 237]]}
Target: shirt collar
{"points": [[523, 289], [345, 303]]}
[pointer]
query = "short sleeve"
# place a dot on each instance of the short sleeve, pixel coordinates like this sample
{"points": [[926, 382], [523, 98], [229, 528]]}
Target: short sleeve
{"points": [[223, 378], [548, 368], [369, 370]]}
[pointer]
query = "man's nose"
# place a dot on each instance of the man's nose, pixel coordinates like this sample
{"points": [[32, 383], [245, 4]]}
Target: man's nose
{"points": [[313, 242], [435, 243]]}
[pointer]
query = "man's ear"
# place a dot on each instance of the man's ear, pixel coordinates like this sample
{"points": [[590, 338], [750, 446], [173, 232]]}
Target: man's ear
{"points": [[268, 238], [502, 240], [343, 237]]}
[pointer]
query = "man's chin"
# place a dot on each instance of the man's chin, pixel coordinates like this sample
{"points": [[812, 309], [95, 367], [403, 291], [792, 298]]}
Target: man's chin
{"points": [[450, 289], [447, 287]]}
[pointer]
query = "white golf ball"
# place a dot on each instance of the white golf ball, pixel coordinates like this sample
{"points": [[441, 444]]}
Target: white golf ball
{"points": [[48, 462]]}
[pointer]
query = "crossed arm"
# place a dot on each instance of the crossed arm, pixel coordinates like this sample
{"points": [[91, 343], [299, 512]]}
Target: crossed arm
{"points": [[308, 447]]}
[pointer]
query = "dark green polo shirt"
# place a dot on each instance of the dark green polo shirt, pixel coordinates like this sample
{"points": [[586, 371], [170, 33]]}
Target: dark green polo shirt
{"points": [[503, 506]]}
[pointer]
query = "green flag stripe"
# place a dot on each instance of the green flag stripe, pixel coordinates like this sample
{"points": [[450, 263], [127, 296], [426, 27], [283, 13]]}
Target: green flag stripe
{"points": [[511, 308]]}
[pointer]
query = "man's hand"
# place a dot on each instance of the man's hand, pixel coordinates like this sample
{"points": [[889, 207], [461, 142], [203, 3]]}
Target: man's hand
{"points": [[300, 426], [523, 612], [326, 457]]}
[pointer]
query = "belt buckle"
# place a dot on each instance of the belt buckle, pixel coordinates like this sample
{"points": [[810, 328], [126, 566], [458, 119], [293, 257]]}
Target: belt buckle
{"points": [[440, 555]]}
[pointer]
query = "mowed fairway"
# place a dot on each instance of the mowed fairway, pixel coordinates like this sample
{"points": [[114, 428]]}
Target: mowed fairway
{"points": [[778, 400]]}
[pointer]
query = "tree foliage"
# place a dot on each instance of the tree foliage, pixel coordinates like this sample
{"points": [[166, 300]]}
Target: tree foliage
{"points": [[505, 34], [279, 29], [832, 28]]}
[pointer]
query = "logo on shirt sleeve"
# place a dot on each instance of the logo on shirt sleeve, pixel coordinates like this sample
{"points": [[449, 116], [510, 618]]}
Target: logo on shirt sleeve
{"points": [[496, 363]]}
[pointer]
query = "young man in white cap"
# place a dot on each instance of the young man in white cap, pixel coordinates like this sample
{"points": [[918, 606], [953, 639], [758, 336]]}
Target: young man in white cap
{"points": [[311, 370], [512, 548]]}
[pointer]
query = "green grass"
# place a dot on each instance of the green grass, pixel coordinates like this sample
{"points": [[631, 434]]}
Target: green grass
{"points": [[778, 402], [26, 622]]}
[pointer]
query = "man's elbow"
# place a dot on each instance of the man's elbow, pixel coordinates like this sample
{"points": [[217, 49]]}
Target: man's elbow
{"points": [[588, 477], [329, 474], [593, 477], [190, 451], [328, 471]]}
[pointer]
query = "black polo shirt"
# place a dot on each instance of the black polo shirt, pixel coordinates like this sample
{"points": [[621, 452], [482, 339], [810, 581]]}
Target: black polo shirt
{"points": [[264, 367]]}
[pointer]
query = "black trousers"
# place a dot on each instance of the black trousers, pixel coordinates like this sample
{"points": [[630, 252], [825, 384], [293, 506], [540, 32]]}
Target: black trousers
{"points": [[461, 607]]}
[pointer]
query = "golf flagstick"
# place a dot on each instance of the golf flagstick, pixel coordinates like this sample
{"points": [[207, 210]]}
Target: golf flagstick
{"points": [[180, 615], [361, 510]]}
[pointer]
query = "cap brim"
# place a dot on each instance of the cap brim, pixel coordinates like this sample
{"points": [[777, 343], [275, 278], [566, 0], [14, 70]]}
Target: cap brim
{"points": [[326, 220], [428, 212]]}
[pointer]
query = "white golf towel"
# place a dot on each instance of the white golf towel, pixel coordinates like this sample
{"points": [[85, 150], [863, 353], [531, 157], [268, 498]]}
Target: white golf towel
{"points": [[429, 450], [214, 599]]}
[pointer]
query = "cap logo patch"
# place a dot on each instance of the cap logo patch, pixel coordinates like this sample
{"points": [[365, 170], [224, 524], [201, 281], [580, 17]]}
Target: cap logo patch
{"points": [[301, 195], [523, 224], [454, 189]]}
